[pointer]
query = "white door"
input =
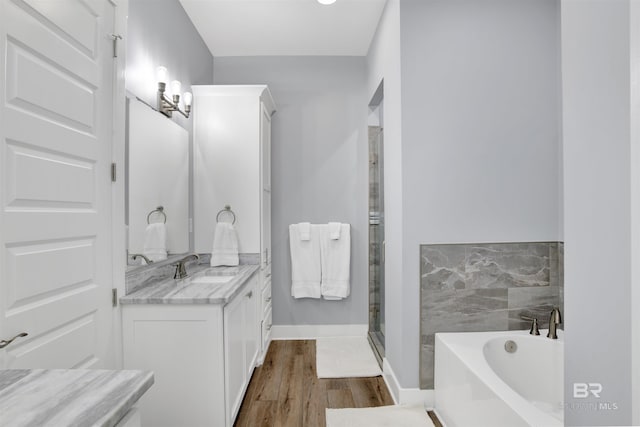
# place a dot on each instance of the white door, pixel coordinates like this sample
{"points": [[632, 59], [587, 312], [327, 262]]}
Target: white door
{"points": [[56, 92]]}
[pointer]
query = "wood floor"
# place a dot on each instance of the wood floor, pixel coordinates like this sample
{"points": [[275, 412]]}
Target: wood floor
{"points": [[286, 392]]}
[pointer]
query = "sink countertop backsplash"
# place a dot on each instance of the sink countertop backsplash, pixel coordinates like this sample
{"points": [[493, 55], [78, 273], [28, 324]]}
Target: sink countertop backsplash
{"points": [[142, 277], [170, 291]]}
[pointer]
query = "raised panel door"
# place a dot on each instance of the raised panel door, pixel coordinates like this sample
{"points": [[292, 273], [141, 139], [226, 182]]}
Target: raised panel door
{"points": [[56, 130]]}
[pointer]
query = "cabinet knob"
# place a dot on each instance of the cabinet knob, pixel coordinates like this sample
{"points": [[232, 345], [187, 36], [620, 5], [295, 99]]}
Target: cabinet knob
{"points": [[5, 343], [269, 299], [250, 294]]}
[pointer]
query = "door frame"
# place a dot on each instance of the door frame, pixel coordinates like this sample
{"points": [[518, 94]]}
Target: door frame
{"points": [[118, 229]]}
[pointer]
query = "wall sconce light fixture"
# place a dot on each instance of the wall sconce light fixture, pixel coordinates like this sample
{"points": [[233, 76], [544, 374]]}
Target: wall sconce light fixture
{"points": [[168, 105]]}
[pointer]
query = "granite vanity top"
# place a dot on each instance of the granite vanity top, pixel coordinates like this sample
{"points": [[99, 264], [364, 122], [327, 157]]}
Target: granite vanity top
{"points": [[185, 291], [69, 397]]}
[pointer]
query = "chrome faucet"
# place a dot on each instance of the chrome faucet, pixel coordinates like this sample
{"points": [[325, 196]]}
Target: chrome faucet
{"points": [[181, 270], [136, 256], [554, 320]]}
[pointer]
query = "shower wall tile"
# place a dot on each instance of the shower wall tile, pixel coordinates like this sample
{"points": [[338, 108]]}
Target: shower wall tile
{"points": [[484, 287]]}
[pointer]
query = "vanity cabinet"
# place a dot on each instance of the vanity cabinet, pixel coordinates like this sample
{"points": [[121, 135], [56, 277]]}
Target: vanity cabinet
{"points": [[232, 166], [202, 356]]}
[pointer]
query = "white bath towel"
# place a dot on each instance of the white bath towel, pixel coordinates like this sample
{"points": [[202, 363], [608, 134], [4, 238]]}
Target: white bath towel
{"points": [[305, 262], [334, 230], [225, 245], [155, 242], [336, 263], [305, 230]]}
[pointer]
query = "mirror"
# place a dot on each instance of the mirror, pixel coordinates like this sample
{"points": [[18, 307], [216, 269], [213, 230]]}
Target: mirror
{"points": [[158, 176]]}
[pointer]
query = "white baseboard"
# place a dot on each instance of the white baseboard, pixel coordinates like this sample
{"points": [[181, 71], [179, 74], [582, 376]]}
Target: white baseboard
{"points": [[308, 332], [405, 396]]}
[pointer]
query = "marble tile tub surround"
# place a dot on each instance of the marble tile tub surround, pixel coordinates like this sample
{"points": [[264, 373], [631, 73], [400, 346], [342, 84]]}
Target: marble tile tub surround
{"points": [[69, 397], [140, 277], [485, 287]]}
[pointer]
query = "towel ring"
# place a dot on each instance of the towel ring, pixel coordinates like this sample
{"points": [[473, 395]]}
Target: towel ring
{"points": [[160, 210], [226, 209]]}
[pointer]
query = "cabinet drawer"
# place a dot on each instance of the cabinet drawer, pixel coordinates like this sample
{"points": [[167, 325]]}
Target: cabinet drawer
{"points": [[266, 283], [266, 274], [266, 328], [266, 299]]}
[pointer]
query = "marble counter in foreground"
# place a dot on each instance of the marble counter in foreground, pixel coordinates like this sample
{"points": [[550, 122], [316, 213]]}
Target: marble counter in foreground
{"points": [[184, 291], [69, 397]]}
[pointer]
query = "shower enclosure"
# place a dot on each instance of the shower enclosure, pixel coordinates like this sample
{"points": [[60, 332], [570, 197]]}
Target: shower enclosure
{"points": [[376, 242]]}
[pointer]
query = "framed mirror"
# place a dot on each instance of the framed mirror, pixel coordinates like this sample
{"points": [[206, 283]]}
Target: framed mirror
{"points": [[157, 182]]}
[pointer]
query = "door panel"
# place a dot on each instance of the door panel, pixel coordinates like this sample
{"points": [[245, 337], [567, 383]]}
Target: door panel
{"points": [[55, 155]]}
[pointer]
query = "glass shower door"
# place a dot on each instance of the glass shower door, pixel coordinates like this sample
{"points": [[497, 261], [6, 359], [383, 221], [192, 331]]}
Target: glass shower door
{"points": [[376, 241]]}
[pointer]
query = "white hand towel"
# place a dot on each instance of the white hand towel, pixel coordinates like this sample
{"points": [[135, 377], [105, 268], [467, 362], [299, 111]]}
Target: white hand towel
{"points": [[155, 242], [225, 246], [334, 230], [305, 230], [305, 262], [336, 263]]}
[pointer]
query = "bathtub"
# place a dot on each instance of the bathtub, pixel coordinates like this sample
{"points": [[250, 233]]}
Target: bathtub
{"points": [[478, 383]]}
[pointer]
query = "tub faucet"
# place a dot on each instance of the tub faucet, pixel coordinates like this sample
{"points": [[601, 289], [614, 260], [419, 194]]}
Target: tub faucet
{"points": [[181, 270], [534, 324], [554, 320]]}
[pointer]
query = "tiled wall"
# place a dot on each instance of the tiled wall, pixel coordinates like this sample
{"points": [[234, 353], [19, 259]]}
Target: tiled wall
{"points": [[485, 287]]}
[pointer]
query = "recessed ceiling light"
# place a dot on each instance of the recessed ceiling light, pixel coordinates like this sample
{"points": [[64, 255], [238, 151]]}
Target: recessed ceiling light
{"points": [[326, 1]]}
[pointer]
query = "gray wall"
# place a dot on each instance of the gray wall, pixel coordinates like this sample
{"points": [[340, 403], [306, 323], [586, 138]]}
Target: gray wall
{"points": [[159, 32], [476, 156], [480, 131], [319, 167], [599, 227], [383, 63]]}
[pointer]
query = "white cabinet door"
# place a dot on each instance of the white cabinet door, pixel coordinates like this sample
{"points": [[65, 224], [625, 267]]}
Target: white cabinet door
{"points": [[234, 350], [265, 178], [265, 256], [241, 345], [56, 129], [265, 146], [251, 325], [183, 346]]}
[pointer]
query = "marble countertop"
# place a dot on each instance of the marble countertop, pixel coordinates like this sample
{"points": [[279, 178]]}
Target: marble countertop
{"points": [[188, 291], [69, 397]]}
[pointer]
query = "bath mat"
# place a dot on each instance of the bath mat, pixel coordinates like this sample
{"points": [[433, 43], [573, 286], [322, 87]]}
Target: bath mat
{"points": [[345, 357], [383, 416]]}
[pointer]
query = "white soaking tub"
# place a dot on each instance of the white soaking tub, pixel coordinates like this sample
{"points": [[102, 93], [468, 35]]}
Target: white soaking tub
{"points": [[479, 383]]}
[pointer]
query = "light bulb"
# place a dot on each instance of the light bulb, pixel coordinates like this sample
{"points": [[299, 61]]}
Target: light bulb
{"points": [[188, 98], [161, 74], [326, 1], [175, 87]]}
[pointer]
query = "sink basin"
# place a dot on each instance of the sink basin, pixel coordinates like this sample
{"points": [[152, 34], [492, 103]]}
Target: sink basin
{"points": [[212, 279], [213, 272]]}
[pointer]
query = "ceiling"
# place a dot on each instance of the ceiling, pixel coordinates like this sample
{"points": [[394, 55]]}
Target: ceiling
{"points": [[285, 27]]}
